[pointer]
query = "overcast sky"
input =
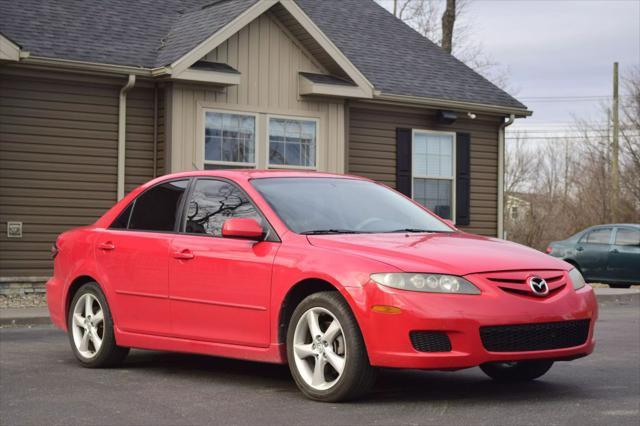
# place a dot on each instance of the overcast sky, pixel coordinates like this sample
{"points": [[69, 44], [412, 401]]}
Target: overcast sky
{"points": [[559, 48]]}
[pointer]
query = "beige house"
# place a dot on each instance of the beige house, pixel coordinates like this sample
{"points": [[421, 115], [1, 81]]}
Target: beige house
{"points": [[97, 97]]}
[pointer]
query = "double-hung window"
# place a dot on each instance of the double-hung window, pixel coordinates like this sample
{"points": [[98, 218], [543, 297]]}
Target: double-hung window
{"points": [[434, 171], [229, 140], [292, 142]]}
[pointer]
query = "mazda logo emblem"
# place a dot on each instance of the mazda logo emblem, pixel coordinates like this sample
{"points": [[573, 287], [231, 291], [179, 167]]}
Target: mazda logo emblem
{"points": [[538, 286]]}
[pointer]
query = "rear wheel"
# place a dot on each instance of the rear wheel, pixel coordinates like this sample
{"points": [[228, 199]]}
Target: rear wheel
{"points": [[516, 371], [90, 329], [325, 350]]}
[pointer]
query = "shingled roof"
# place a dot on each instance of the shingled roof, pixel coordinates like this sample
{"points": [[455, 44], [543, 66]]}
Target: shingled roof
{"points": [[148, 33]]}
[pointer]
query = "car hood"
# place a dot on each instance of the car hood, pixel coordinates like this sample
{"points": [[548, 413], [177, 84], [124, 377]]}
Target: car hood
{"points": [[448, 253]]}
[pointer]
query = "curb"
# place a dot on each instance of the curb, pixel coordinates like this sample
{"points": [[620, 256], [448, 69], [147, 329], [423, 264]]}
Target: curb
{"points": [[627, 298], [624, 297], [34, 320]]}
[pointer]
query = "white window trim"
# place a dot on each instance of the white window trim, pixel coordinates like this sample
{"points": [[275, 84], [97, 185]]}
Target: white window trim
{"points": [[256, 137], [297, 118], [453, 166]]}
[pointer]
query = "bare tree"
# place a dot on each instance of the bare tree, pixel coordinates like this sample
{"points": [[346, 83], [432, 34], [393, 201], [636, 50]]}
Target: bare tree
{"points": [[570, 189], [448, 22], [431, 18]]}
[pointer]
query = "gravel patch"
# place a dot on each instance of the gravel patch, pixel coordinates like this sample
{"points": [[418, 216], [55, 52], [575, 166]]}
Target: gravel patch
{"points": [[23, 301]]}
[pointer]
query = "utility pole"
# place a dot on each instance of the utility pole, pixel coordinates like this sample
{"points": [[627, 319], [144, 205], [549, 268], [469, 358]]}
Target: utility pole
{"points": [[615, 148]]}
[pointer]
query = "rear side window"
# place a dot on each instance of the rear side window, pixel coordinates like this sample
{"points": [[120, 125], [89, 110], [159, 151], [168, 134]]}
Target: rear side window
{"points": [[599, 236], [157, 208], [212, 202], [628, 237]]}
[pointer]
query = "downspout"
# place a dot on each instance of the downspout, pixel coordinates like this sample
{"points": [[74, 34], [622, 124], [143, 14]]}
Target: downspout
{"points": [[155, 131], [122, 133], [501, 149]]}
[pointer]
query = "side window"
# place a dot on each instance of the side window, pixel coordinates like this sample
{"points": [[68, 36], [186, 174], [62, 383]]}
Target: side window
{"points": [[599, 236], [628, 237], [212, 202], [122, 221], [156, 209]]}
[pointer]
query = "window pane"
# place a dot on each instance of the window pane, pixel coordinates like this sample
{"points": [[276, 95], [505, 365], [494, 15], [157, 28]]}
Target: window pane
{"points": [[122, 220], [156, 209], [212, 203], [292, 142], [229, 137], [628, 237], [434, 194], [599, 236], [433, 155], [313, 204]]}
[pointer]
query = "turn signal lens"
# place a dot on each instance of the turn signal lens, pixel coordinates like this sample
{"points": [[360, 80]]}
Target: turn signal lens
{"points": [[386, 309], [428, 283], [576, 279]]}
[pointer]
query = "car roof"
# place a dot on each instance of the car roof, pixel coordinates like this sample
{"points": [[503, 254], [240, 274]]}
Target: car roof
{"points": [[247, 174], [609, 225]]}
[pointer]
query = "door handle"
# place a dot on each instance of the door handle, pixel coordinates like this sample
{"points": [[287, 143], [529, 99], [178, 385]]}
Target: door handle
{"points": [[185, 254], [107, 246], [579, 248]]}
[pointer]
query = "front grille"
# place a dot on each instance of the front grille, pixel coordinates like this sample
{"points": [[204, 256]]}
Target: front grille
{"points": [[535, 337], [430, 341]]}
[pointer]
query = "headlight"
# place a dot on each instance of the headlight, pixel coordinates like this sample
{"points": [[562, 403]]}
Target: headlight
{"points": [[428, 283], [576, 279]]}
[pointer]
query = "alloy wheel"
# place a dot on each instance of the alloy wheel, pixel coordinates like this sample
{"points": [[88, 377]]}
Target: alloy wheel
{"points": [[319, 348], [88, 325]]}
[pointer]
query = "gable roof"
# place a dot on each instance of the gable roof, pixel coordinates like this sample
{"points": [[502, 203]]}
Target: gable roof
{"points": [[150, 34]]}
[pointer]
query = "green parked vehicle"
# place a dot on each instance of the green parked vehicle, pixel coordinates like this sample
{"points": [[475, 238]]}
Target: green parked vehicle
{"points": [[607, 254]]}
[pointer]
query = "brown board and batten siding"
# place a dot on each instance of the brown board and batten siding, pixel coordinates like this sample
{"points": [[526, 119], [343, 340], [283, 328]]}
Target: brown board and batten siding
{"points": [[372, 152], [58, 158]]}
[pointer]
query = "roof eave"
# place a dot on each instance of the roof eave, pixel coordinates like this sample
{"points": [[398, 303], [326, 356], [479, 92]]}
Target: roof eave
{"points": [[451, 104]]}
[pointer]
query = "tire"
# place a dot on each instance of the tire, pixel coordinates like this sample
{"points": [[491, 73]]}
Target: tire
{"points": [[340, 344], [518, 371], [92, 339], [619, 285]]}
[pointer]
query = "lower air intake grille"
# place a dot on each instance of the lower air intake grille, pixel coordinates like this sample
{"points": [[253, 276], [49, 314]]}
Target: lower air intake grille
{"points": [[535, 337], [430, 341]]}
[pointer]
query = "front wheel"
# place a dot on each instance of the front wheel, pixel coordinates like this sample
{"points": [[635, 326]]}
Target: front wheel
{"points": [[325, 350], [516, 371], [90, 328]]}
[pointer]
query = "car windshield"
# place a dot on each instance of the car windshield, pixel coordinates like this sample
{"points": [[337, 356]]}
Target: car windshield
{"points": [[343, 206]]}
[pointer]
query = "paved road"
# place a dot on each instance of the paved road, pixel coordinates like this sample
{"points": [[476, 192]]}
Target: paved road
{"points": [[40, 383]]}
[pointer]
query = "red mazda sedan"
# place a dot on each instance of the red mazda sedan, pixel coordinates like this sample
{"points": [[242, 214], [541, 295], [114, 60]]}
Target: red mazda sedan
{"points": [[334, 275]]}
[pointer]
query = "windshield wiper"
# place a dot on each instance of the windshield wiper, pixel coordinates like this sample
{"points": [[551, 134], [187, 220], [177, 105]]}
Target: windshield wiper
{"points": [[329, 231], [411, 230]]}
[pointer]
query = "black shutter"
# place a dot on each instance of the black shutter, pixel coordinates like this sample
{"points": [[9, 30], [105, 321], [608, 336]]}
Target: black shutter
{"points": [[403, 161], [463, 178]]}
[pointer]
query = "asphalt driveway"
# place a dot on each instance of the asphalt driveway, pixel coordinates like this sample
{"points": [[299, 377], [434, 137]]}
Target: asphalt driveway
{"points": [[40, 383]]}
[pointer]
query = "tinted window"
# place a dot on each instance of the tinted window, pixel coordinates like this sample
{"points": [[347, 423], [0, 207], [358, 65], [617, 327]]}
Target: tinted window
{"points": [[156, 209], [628, 237], [122, 221], [599, 236], [334, 205], [212, 202]]}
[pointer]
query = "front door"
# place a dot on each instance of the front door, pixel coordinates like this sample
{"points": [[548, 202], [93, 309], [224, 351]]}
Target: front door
{"points": [[624, 256], [592, 253], [133, 255], [220, 287]]}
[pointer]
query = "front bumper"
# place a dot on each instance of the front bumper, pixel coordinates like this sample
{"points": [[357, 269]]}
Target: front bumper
{"points": [[460, 318]]}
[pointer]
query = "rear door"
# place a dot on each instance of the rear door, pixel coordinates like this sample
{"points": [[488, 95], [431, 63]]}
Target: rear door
{"points": [[592, 253], [220, 287], [624, 256], [133, 255]]}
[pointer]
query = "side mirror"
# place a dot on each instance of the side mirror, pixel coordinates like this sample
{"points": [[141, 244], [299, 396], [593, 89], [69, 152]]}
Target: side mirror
{"points": [[450, 223], [243, 228]]}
